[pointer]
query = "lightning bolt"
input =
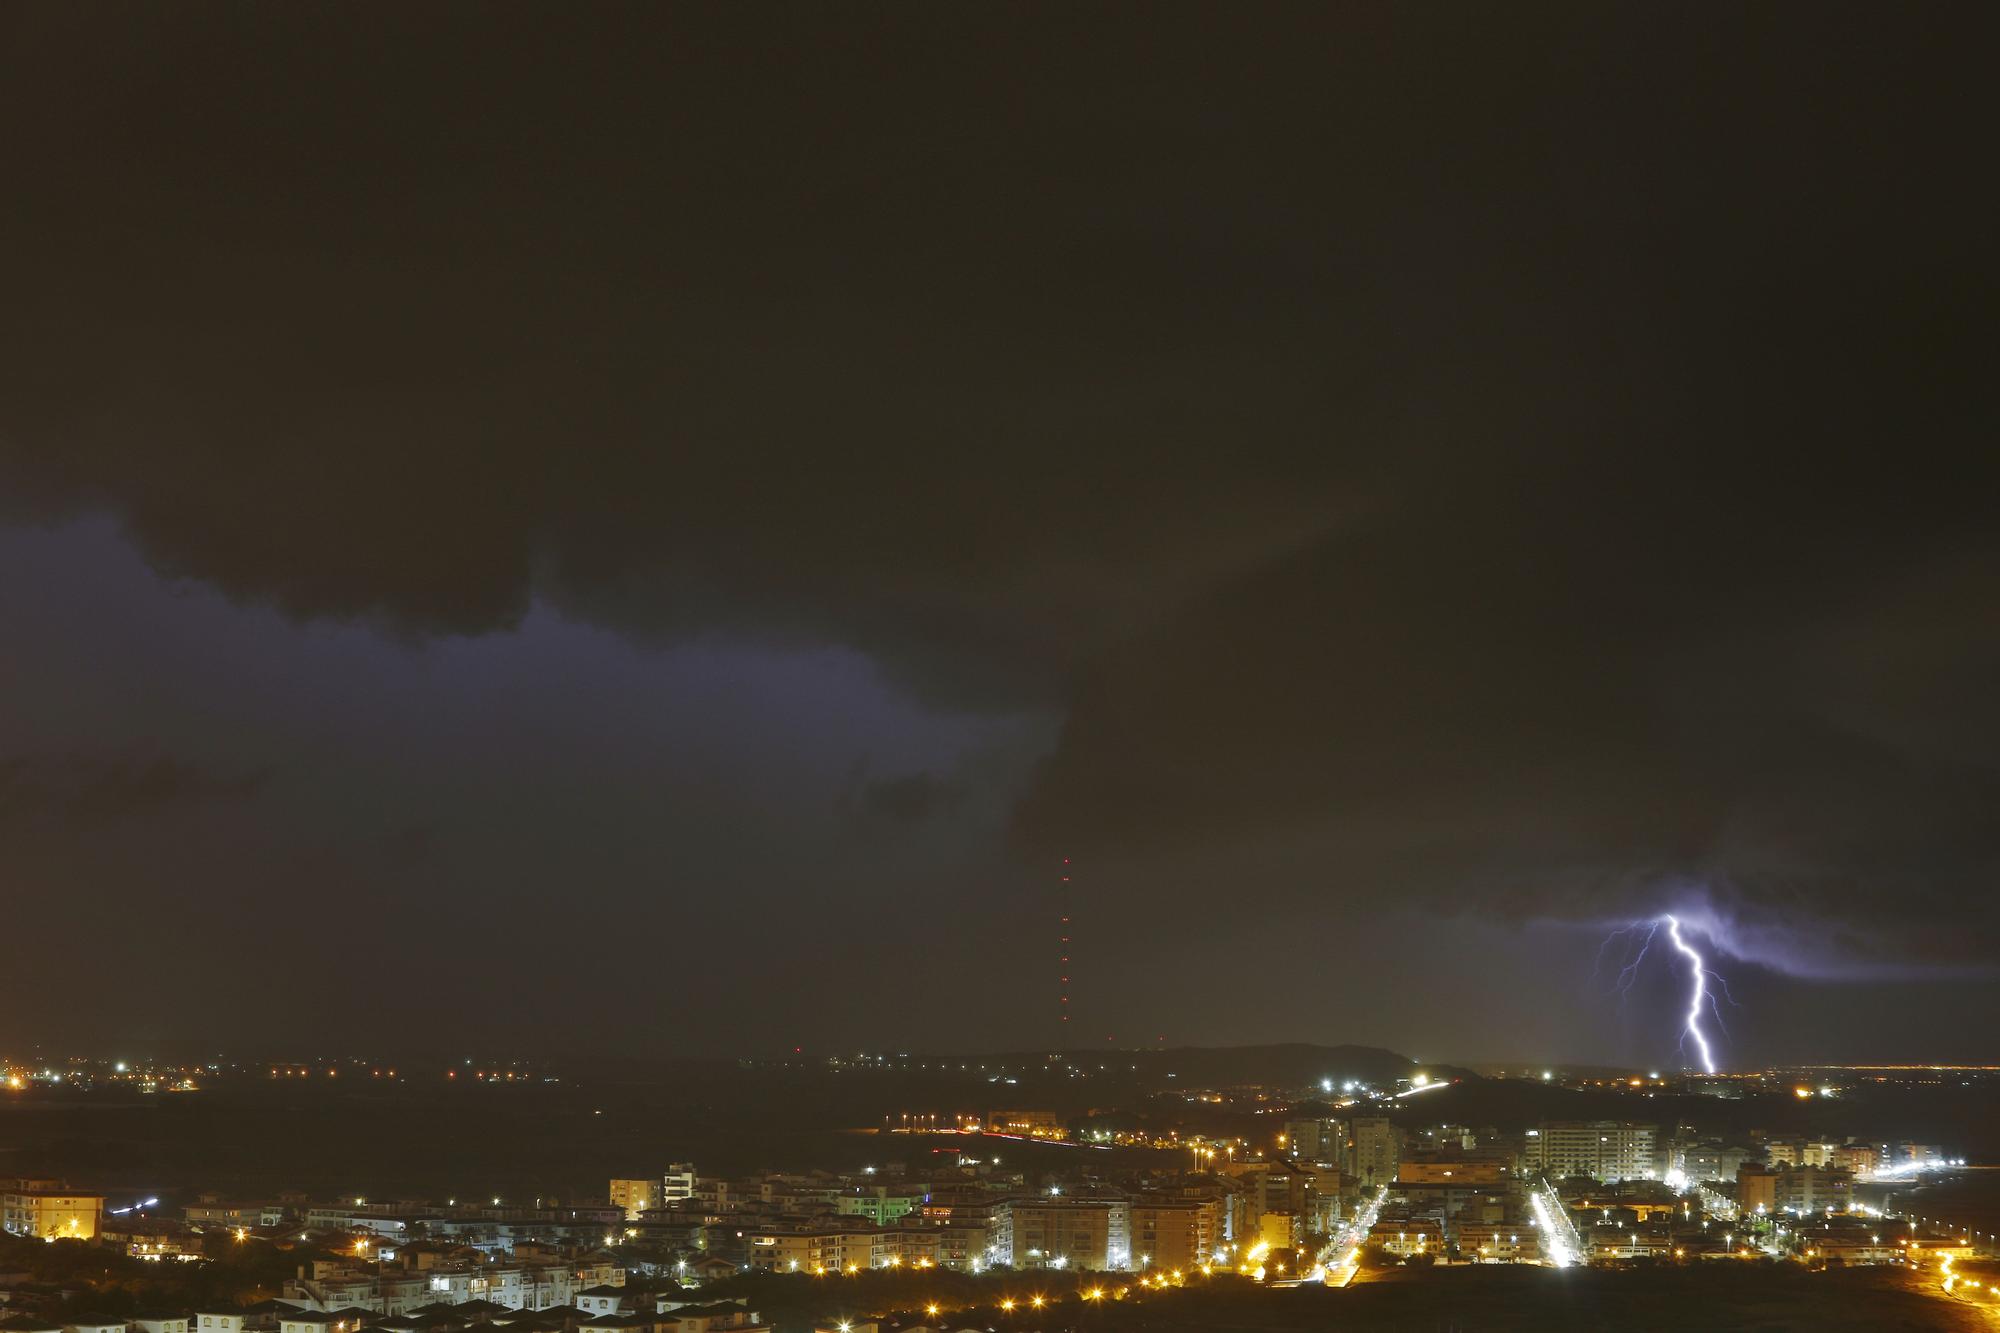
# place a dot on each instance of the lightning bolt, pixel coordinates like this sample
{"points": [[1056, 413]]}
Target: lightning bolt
{"points": [[1638, 938], [1629, 960], [1698, 1000], [1630, 972]]}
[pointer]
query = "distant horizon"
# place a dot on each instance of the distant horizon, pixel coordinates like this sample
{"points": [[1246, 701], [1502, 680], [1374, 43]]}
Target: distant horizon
{"points": [[442, 1061]]}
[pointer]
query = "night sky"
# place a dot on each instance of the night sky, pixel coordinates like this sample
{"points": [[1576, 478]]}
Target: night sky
{"points": [[589, 528]]}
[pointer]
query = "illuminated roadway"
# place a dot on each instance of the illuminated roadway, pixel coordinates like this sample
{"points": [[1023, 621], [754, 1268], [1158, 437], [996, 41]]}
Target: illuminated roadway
{"points": [[1560, 1243], [1338, 1272]]}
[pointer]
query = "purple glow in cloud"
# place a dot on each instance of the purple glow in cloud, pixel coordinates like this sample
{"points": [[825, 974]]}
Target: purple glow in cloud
{"points": [[1808, 941]]}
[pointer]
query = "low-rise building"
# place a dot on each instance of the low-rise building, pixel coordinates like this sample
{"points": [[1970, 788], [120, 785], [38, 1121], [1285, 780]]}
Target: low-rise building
{"points": [[1612, 1241], [212, 1212], [802, 1248], [350, 1320], [158, 1322], [259, 1318], [601, 1299], [1855, 1244], [1498, 1243], [23, 1322], [880, 1204], [1409, 1237], [716, 1317], [1028, 1124], [1450, 1169]]}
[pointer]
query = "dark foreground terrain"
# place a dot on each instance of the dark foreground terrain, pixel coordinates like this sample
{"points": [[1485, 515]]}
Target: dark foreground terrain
{"points": [[1764, 1299]]}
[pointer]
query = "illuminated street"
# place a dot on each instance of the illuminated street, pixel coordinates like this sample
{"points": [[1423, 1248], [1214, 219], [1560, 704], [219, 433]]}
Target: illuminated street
{"points": [[1558, 1232], [1337, 1262]]}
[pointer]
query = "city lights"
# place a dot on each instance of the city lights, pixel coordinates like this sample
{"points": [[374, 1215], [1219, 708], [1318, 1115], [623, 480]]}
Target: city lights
{"points": [[1561, 1193]]}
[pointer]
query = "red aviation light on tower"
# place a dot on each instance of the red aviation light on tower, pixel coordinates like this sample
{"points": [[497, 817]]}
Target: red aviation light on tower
{"points": [[1062, 948]]}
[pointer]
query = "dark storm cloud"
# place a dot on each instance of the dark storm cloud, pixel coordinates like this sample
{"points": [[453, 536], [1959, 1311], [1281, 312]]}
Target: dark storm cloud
{"points": [[1535, 463], [1547, 742], [912, 797], [105, 788], [413, 844]]}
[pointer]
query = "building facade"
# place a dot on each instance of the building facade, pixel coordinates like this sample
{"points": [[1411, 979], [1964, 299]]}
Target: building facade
{"points": [[1374, 1150], [1606, 1150], [635, 1196], [1094, 1234], [47, 1210]]}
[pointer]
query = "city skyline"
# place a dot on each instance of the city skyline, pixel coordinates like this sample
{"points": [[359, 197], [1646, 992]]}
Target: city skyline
{"points": [[1296, 1187]]}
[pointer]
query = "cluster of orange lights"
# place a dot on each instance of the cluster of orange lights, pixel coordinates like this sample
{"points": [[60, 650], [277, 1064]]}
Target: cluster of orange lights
{"points": [[306, 1071], [821, 1270], [1038, 1301]]}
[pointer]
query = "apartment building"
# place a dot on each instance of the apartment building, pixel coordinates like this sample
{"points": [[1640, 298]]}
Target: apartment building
{"points": [[1175, 1233], [1074, 1233], [49, 1210], [1606, 1150]]}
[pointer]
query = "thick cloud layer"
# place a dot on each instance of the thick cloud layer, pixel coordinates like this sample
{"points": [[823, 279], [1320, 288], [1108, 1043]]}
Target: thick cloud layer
{"points": [[1531, 463], [92, 789]]}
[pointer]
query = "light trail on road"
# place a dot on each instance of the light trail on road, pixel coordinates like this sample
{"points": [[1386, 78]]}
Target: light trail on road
{"points": [[1559, 1238], [1348, 1245]]}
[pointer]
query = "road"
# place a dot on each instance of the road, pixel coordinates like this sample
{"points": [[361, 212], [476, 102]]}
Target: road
{"points": [[1342, 1254], [1561, 1246]]}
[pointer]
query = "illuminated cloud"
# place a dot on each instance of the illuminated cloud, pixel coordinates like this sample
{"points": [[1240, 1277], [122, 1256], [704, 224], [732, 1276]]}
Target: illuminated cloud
{"points": [[1498, 465]]}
